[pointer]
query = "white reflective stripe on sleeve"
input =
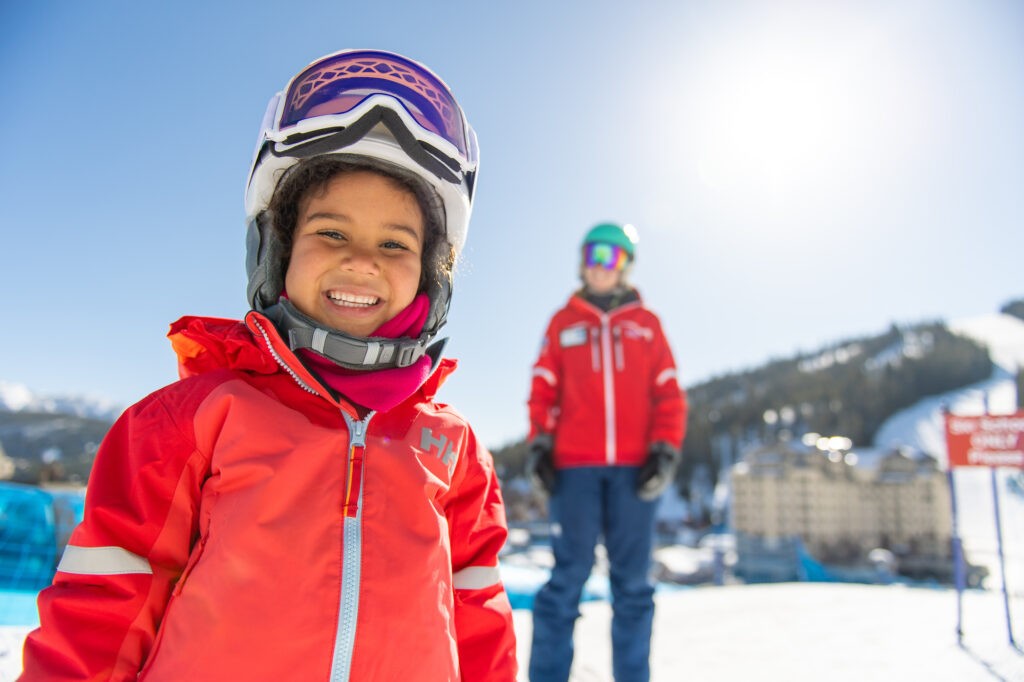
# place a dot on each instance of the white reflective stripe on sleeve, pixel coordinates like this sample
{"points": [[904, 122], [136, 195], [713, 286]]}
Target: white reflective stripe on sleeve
{"points": [[476, 578], [665, 375], [102, 561], [545, 374]]}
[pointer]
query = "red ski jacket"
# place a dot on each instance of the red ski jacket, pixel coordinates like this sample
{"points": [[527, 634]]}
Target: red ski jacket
{"points": [[605, 386], [242, 524]]}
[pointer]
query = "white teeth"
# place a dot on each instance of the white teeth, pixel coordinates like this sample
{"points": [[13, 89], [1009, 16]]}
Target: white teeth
{"points": [[352, 299]]}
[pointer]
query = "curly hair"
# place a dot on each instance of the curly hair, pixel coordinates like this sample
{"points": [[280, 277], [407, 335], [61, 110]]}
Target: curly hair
{"points": [[313, 175]]}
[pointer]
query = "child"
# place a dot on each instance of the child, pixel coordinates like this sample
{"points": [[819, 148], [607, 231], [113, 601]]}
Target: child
{"points": [[297, 506], [607, 419]]}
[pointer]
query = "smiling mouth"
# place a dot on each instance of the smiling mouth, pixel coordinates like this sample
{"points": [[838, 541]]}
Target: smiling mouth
{"points": [[352, 300]]}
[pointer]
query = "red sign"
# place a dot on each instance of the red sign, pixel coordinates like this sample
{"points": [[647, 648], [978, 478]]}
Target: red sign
{"points": [[986, 441]]}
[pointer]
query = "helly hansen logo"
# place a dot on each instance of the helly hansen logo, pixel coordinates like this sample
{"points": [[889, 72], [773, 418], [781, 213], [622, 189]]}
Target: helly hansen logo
{"points": [[439, 446]]}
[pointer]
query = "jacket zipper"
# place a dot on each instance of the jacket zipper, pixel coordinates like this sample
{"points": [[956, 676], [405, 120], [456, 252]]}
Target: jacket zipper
{"points": [[352, 540], [352, 550], [609, 390], [280, 360]]}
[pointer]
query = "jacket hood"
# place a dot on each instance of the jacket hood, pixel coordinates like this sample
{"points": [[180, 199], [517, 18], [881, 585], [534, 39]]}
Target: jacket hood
{"points": [[578, 301], [205, 344]]}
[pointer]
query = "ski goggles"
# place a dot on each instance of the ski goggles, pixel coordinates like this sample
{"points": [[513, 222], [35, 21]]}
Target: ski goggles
{"points": [[607, 256], [338, 99]]}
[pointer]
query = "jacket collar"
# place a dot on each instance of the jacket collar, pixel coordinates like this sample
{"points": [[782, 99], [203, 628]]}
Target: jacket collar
{"points": [[581, 304], [205, 344]]}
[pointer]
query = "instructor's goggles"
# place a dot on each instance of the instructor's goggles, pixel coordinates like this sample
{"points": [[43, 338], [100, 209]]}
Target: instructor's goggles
{"points": [[607, 256]]}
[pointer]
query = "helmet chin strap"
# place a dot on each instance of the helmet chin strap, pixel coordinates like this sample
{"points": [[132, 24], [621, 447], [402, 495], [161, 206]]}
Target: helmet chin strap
{"points": [[350, 352]]}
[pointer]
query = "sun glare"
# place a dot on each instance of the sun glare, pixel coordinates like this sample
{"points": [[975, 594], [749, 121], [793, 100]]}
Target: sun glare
{"points": [[804, 106], [773, 127]]}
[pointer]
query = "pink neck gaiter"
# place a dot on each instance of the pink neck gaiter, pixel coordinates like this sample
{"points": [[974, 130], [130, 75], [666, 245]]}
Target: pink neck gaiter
{"points": [[382, 389]]}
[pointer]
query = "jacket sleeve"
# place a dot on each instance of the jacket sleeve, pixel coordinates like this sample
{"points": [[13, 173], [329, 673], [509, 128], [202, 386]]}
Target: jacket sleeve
{"points": [[99, 617], [483, 615], [668, 423], [545, 385]]}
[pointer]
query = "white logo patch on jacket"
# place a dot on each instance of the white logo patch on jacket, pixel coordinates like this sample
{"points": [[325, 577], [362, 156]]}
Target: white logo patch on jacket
{"points": [[573, 336], [439, 447]]}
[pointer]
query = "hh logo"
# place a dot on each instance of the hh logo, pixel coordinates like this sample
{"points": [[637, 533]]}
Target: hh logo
{"points": [[439, 447]]}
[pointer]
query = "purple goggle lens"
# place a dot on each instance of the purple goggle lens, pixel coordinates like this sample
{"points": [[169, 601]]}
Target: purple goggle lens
{"points": [[339, 83]]}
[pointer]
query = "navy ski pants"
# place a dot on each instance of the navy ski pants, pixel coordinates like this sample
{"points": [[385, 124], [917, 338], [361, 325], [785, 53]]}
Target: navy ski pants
{"points": [[587, 503]]}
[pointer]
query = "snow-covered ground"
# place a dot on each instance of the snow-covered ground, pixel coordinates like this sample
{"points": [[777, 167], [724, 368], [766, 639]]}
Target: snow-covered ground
{"points": [[804, 632], [786, 632]]}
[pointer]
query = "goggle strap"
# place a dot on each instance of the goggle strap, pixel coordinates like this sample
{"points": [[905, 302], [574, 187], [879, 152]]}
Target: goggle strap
{"points": [[423, 154], [311, 142], [314, 144], [439, 155]]}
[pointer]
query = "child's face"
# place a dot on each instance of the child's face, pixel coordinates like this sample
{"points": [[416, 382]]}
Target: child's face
{"points": [[357, 252]]}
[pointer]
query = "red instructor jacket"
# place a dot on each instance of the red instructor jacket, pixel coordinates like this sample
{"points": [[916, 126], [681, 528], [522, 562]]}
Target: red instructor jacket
{"points": [[605, 386], [242, 524]]}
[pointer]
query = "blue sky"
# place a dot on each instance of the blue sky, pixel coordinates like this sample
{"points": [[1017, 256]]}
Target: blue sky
{"points": [[799, 172]]}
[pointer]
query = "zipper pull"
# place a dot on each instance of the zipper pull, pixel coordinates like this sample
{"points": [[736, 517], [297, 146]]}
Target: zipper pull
{"points": [[354, 463], [357, 431]]}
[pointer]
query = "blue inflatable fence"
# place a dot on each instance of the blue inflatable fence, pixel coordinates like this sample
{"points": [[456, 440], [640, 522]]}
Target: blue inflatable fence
{"points": [[35, 524]]}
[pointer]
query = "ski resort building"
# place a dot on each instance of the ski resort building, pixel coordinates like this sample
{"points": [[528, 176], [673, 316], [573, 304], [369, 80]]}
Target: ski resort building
{"points": [[841, 509]]}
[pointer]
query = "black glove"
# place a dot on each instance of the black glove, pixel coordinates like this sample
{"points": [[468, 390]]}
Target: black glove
{"points": [[657, 471], [540, 464]]}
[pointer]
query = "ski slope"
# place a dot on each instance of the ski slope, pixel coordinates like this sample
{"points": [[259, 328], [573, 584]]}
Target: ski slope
{"points": [[922, 427]]}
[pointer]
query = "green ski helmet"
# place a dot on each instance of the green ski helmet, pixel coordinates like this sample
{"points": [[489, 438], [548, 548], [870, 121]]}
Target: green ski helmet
{"points": [[624, 236]]}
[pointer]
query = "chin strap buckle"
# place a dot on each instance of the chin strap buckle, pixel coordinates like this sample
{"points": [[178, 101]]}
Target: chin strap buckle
{"points": [[351, 352]]}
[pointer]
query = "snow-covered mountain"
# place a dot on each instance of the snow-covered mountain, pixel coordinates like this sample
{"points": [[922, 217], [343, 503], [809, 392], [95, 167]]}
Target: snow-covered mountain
{"points": [[921, 426], [19, 398]]}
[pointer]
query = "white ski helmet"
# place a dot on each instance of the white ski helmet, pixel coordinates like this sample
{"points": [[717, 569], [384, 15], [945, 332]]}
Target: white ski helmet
{"points": [[381, 110]]}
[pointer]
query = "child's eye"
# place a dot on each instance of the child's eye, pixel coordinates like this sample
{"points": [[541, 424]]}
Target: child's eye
{"points": [[331, 234], [395, 245]]}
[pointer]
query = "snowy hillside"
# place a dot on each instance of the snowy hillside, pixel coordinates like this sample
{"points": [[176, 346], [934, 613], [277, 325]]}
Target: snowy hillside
{"points": [[19, 398], [921, 427]]}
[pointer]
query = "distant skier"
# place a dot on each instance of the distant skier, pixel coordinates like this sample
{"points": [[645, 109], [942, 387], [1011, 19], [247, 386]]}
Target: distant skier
{"points": [[298, 506], [607, 419]]}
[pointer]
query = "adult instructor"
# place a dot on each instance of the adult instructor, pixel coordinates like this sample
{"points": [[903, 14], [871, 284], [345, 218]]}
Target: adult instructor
{"points": [[607, 420]]}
